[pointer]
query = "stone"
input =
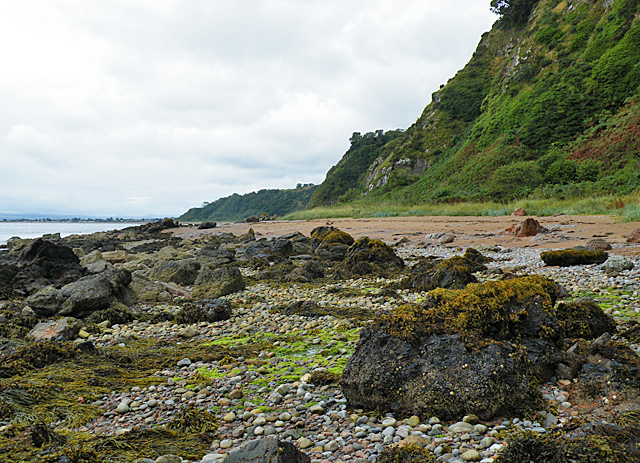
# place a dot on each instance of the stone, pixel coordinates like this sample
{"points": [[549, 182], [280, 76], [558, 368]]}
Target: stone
{"points": [[410, 368], [63, 329], [235, 394], [207, 225], [519, 212], [461, 427], [84, 296], [414, 421], [169, 459], [316, 409], [304, 443], [471, 455], [583, 318], [598, 244], [229, 417], [268, 450], [212, 284], [447, 238], [530, 227], [182, 272], [634, 236], [617, 264], [226, 443]]}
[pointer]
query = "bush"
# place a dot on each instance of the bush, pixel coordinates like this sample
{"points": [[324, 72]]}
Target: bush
{"points": [[514, 180], [562, 171]]}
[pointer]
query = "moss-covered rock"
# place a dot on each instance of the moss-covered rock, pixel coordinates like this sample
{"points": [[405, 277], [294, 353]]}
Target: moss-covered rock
{"points": [[480, 350], [454, 273], [570, 257], [584, 319], [207, 310], [369, 257], [407, 454]]}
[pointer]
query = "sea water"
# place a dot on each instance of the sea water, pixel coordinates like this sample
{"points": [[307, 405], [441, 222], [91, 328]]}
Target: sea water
{"points": [[37, 229]]}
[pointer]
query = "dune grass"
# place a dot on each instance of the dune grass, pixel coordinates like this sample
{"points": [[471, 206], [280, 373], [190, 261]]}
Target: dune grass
{"points": [[623, 208]]}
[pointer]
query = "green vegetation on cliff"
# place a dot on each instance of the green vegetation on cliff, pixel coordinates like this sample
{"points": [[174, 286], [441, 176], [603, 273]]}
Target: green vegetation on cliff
{"points": [[547, 107], [238, 207]]}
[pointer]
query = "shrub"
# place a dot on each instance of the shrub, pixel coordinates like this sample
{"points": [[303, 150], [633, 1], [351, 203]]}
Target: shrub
{"points": [[514, 180]]}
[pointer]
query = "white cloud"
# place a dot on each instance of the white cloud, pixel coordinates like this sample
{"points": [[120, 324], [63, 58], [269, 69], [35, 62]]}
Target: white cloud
{"points": [[137, 107]]}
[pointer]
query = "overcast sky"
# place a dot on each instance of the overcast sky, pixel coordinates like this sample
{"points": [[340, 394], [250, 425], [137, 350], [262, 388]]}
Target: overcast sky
{"points": [[150, 107]]}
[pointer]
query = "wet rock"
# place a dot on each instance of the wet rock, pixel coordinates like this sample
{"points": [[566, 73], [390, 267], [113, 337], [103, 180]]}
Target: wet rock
{"points": [[212, 284], [269, 450], [460, 356], [206, 310], [584, 319], [369, 257], [309, 271], [182, 272]]}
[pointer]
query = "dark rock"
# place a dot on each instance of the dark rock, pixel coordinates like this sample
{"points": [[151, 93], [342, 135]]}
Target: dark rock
{"points": [[480, 350], [214, 257], [584, 319], [156, 227], [270, 250], [369, 257], [331, 252], [320, 235], [252, 219], [277, 271], [454, 273], [212, 284], [182, 272], [206, 310], [267, 450], [309, 271], [569, 257], [305, 308], [84, 296], [634, 236], [207, 225]]}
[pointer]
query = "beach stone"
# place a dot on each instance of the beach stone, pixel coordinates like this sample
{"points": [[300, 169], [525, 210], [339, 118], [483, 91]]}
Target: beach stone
{"points": [[304, 443], [207, 225], [447, 238], [461, 426], [182, 272], [169, 459], [414, 421], [226, 443], [530, 227], [617, 264], [122, 408], [598, 244], [235, 394], [269, 450], [63, 329], [229, 417], [316, 409], [212, 284], [471, 455]]}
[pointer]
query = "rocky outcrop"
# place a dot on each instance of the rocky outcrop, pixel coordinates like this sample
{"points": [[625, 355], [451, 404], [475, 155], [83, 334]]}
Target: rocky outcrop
{"points": [[268, 450], [454, 273], [84, 296], [212, 284], [369, 257], [478, 351]]}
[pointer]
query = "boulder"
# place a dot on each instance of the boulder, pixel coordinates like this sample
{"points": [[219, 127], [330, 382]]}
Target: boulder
{"points": [[84, 296], [267, 450], [331, 252], [63, 329], [321, 235], [148, 291], [207, 225], [584, 319], [570, 257], [634, 236], [212, 256], [206, 310], [598, 244], [616, 264], [182, 272], [454, 273], [530, 227], [477, 351], [447, 238], [366, 256], [274, 250], [212, 284], [309, 271], [519, 212], [44, 263]]}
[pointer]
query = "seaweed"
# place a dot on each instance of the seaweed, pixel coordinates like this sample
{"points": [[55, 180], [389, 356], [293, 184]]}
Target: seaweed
{"points": [[411, 453]]}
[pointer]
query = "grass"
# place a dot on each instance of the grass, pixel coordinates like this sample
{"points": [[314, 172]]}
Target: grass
{"points": [[623, 208]]}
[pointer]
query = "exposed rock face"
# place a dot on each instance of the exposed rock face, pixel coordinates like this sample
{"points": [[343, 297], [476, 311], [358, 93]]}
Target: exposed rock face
{"points": [[182, 272], [463, 354], [268, 450], [43, 263], [212, 284], [84, 296]]}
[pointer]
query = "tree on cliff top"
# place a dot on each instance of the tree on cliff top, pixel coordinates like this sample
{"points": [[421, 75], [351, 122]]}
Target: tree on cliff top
{"points": [[513, 12]]}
